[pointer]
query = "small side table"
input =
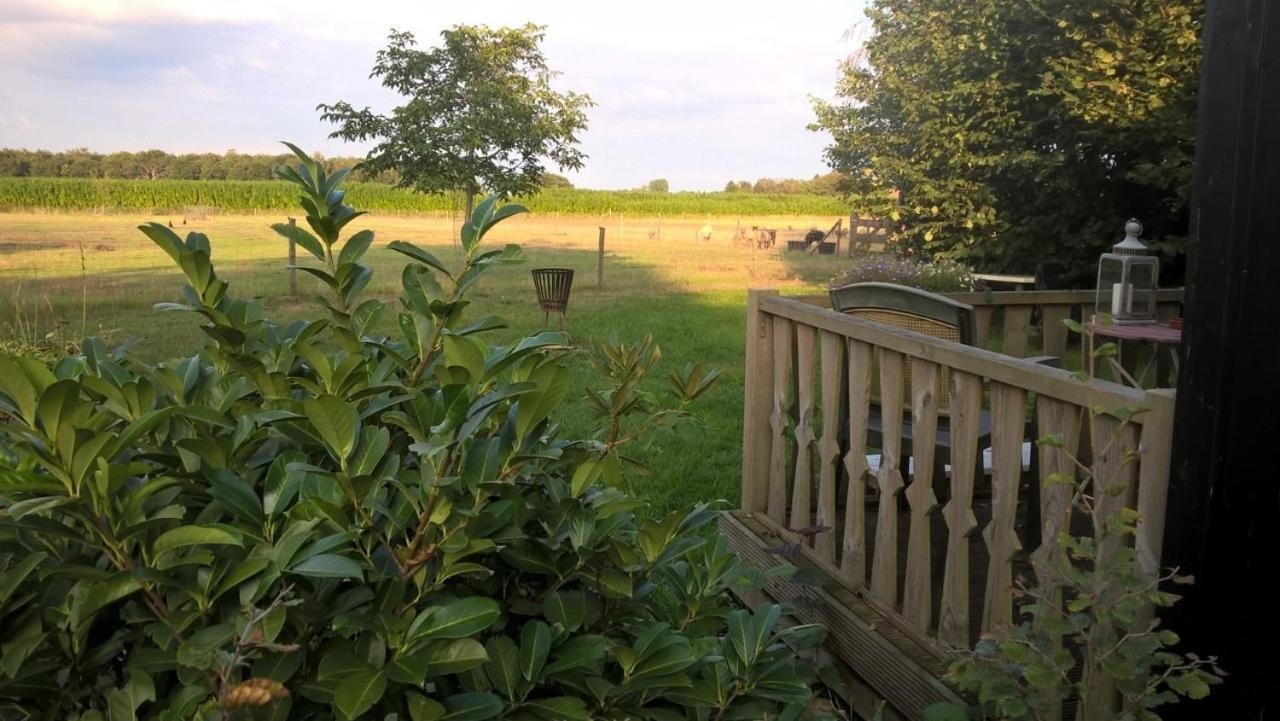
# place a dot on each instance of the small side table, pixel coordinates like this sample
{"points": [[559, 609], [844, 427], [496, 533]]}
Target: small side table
{"points": [[1128, 335]]}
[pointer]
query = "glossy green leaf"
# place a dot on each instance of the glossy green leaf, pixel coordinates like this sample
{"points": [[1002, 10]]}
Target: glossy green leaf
{"points": [[299, 235], [471, 706], [358, 691], [328, 565], [535, 644], [337, 423], [456, 619], [503, 666], [186, 536], [455, 656]]}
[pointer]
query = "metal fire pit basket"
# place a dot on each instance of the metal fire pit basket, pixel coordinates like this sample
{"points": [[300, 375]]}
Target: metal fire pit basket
{"points": [[552, 286]]}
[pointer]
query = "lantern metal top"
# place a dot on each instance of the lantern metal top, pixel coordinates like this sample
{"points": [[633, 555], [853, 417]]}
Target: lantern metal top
{"points": [[1132, 243]]}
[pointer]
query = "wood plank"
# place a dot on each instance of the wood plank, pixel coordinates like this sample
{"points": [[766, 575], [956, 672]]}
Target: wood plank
{"points": [[1008, 410], [1057, 476], [1168, 298], [980, 298], [802, 484], [777, 507], [1153, 478], [1057, 472], [892, 663], [1115, 446], [1017, 326], [829, 446], [853, 552], [917, 596], [1054, 332], [757, 400], [884, 566], [965, 409], [925, 644], [1033, 377], [982, 325]]}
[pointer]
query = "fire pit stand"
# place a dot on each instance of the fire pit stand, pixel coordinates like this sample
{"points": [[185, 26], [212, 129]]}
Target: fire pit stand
{"points": [[552, 286]]}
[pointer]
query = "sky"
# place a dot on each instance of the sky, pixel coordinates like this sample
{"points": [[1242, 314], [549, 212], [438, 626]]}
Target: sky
{"points": [[699, 92]]}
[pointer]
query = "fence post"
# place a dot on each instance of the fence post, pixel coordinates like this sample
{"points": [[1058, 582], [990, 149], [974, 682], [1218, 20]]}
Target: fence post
{"points": [[600, 261], [293, 262], [1155, 447], [757, 404]]}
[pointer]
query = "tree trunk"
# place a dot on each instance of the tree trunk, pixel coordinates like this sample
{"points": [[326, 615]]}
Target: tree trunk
{"points": [[471, 202]]}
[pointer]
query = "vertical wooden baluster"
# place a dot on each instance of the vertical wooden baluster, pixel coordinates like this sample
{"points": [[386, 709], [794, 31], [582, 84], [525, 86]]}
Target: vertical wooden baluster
{"points": [[982, 324], [1017, 323], [853, 554], [1061, 419], [1057, 473], [917, 597], [757, 402], [1008, 418], [1112, 488], [1054, 332], [778, 419], [1153, 480], [966, 410], [1114, 476], [829, 447], [884, 566], [802, 485]]}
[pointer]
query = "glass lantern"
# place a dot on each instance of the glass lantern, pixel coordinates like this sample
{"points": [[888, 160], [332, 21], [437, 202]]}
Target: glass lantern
{"points": [[1127, 279]]}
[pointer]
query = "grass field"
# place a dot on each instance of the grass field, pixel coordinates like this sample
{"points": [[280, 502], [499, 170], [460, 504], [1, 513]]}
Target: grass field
{"points": [[96, 274]]}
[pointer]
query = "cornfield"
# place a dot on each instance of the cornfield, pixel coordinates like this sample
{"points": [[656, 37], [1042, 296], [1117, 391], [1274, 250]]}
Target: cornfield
{"points": [[249, 196]]}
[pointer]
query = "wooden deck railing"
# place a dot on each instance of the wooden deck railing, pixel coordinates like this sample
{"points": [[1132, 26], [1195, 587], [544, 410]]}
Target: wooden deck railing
{"points": [[935, 550], [1014, 311]]}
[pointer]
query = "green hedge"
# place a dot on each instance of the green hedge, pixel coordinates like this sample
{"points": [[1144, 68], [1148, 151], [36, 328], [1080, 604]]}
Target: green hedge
{"points": [[267, 195]]}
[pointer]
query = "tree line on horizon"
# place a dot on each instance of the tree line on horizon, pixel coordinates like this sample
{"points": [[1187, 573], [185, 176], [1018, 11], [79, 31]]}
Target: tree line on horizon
{"points": [[232, 165]]}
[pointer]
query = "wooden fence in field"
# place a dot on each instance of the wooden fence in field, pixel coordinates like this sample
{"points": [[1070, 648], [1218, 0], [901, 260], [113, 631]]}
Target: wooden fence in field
{"points": [[920, 561]]}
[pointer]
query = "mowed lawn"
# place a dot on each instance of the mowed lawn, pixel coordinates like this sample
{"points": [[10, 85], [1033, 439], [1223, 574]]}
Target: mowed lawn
{"points": [[97, 274]]}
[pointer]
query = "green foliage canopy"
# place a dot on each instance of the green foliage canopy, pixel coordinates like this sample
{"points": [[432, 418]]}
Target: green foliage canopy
{"points": [[658, 185], [157, 164], [479, 112], [1017, 132]]}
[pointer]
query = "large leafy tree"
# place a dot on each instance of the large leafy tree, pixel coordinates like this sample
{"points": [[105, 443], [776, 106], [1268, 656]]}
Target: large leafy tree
{"points": [[479, 112], [1021, 132]]}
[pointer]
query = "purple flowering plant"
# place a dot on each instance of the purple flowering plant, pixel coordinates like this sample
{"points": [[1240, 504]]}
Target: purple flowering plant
{"points": [[940, 275]]}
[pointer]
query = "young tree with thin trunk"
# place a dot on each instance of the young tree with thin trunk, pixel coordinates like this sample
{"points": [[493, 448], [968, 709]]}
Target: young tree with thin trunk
{"points": [[479, 112]]}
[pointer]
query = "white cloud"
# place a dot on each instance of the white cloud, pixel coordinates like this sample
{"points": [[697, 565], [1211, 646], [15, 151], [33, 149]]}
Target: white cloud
{"points": [[697, 92]]}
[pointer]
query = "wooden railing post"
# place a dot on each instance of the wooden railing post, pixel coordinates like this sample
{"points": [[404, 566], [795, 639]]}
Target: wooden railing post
{"points": [[1054, 333], [757, 404], [1155, 447]]}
